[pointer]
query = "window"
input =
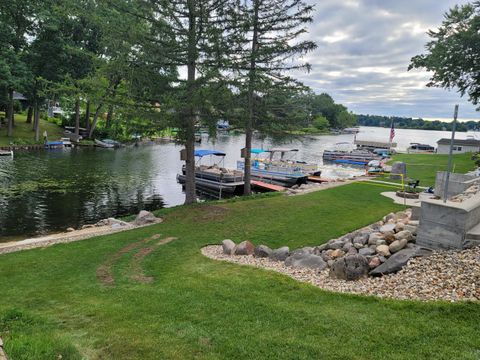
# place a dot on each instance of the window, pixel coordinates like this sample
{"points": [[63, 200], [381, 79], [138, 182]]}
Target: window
{"points": [[457, 148]]}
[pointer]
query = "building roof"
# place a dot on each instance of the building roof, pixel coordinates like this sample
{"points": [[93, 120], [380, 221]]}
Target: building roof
{"points": [[467, 142]]}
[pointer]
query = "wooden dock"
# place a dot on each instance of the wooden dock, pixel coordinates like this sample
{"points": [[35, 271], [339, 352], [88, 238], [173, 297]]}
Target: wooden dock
{"points": [[267, 186]]}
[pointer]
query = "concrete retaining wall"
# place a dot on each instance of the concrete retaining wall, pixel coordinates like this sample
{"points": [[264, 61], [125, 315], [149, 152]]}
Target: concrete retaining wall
{"points": [[457, 184]]}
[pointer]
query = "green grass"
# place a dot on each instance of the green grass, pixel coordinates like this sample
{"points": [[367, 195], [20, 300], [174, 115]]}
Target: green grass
{"points": [[197, 308], [23, 133], [424, 167]]}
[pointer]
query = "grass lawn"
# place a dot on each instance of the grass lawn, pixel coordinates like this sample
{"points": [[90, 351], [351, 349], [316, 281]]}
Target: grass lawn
{"points": [[424, 167], [23, 133], [52, 303]]}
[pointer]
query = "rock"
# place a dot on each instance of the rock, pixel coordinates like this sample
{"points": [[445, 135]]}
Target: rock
{"points": [[320, 248], [70, 229], [374, 237], [88, 226], [352, 251], [398, 260], [389, 238], [228, 247], [357, 245], [382, 259], [397, 245], [305, 260], [280, 254], [374, 262], [414, 222], [387, 228], [326, 257], [401, 215], [330, 263], [366, 251], [388, 217], [381, 242], [399, 227], [350, 268], [144, 218], [337, 244], [262, 251], [337, 253], [348, 245], [383, 250], [405, 234], [244, 248], [411, 228], [360, 239]]}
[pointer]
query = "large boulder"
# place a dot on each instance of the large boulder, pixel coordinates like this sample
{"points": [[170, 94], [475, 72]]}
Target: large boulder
{"points": [[351, 267], [228, 247], [383, 250], [280, 254], [387, 228], [244, 248], [398, 260], [144, 217], [262, 251], [306, 260], [405, 234]]}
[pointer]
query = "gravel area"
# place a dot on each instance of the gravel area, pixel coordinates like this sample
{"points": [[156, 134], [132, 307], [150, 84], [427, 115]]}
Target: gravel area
{"points": [[445, 275]]}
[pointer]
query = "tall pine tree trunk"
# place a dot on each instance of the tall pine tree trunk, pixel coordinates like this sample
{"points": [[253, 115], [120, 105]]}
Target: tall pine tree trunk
{"points": [[190, 193], [247, 190], [10, 113], [36, 120], [29, 114], [95, 120], [87, 116], [77, 117]]}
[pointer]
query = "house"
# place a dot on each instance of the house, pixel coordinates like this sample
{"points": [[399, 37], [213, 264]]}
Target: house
{"points": [[459, 146]]}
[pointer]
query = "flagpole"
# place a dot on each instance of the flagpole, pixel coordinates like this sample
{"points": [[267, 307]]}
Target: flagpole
{"points": [[450, 155]]}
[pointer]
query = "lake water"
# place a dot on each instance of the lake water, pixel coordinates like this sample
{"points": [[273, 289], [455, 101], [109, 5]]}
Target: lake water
{"points": [[47, 191]]}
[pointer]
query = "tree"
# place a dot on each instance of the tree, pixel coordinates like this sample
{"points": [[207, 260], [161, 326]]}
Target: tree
{"points": [[345, 119], [266, 44], [452, 54], [321, 123]]}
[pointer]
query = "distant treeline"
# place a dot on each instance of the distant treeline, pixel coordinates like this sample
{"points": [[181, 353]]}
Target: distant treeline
{"points": [[410, 123]]}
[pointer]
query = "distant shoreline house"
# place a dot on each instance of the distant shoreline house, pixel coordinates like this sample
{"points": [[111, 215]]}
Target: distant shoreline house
{"points": [[459, 146]]}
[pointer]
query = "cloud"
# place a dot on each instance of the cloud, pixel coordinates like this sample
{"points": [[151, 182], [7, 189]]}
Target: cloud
{"points": [[364, 49]]}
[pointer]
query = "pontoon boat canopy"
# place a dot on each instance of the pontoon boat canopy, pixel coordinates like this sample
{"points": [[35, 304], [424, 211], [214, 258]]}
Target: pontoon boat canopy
{"points": [[202, 153], [258, 151]]}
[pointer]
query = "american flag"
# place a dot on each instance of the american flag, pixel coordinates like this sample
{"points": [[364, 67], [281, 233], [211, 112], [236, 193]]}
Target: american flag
{"points": [[392, 132]]}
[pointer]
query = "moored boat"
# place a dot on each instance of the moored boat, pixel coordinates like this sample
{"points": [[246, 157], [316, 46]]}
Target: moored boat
{"points": [[354, 157], [416, 148], [6, 153]]}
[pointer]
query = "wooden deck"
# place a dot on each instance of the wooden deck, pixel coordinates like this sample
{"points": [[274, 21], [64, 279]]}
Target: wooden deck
{"points": [[266, 186]]}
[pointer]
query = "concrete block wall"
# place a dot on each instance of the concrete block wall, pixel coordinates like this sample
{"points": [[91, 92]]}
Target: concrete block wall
{"points": [[457, 184]]}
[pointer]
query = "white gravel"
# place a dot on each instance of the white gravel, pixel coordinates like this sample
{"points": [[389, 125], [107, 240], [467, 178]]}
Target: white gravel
{"points": [[446, 275]]}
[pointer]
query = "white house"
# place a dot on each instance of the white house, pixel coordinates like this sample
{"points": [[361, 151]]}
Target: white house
{"points": [[459, 146]]}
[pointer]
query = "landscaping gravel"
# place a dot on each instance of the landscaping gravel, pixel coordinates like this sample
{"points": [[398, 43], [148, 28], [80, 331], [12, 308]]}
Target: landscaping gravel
{"points": [[444, 275]]}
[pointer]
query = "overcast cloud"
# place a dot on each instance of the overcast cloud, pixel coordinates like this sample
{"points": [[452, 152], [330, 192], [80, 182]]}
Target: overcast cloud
{"points": [[364, 49]]}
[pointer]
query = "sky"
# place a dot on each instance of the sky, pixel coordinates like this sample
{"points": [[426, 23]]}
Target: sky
{"points": [[364, 49]]}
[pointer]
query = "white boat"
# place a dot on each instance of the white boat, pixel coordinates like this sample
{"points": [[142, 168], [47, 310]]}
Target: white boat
{"points": [[6, 153]]}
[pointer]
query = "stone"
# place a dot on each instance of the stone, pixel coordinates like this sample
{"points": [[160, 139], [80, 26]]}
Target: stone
{"points": [[389, 238], [399, 170], [337, 244], [414, 222], [325, 257], [401, 215], [399, 227], [387, 228], [366, 251], [374, 237], [348, 245], [305, 260], [398, 260], [360, 240], [144, 217], [397, 245], [320, 248], [88, 226], [350, 268], [330, 263], [357, 245], [405, 234], [388, 217], [374, 262], [383, 250], [262, 251], [411, 228], [244, 248], [381, 242], [280, 254], [352, 251], [382, 259], [337, 253], [70, 229], [228, 247]]}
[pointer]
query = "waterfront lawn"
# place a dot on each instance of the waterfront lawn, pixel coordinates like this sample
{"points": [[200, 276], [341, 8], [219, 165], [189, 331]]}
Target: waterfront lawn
{"points": [[23, 133], [424, 167], [197, 308]]}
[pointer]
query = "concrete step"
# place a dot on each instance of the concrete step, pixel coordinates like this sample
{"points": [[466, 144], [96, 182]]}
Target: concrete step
{"points": [[474, 233]]}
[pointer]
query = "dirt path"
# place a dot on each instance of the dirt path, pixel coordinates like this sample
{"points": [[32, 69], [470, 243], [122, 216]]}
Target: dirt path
{"points": [[66, 237]]}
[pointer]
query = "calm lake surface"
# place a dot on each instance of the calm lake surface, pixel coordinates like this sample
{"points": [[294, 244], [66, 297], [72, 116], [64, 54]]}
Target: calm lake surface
{"points": [[46, 191]]}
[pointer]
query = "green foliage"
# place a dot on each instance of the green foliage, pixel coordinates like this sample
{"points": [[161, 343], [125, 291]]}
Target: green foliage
{"points": [[409, 123], [320, 122], [452, 54]]}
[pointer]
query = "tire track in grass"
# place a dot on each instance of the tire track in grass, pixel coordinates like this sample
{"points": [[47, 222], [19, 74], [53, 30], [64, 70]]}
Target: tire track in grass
{"points": [[136, 270], [105, 270]]}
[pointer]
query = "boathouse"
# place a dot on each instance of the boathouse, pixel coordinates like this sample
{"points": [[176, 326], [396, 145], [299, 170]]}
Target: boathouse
{"points": [[459, 146]]}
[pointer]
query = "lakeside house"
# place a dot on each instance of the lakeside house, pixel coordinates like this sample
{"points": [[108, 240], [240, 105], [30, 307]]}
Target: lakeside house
{"points": [[459, 146]]}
